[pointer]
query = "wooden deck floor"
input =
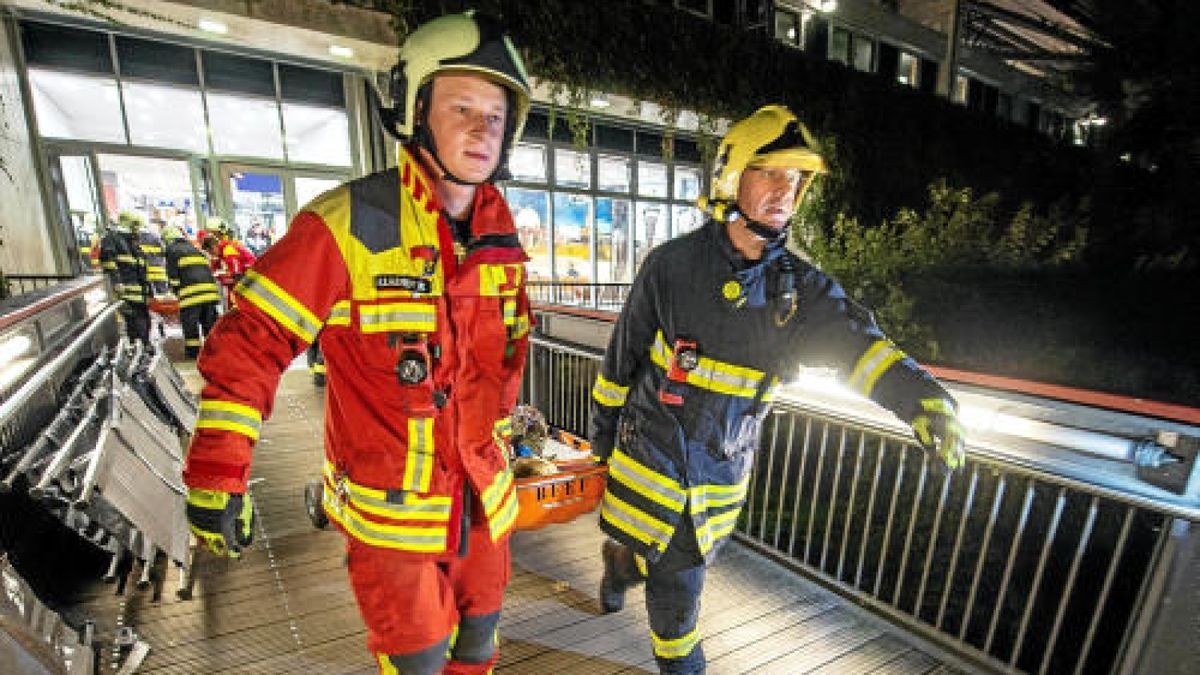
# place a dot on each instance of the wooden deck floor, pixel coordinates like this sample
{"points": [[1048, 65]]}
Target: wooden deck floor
{"points": [[286, 607]]}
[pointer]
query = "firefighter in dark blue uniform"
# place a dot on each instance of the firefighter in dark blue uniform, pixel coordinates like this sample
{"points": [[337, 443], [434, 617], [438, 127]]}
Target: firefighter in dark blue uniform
{"points": [[713, 320], [132, 257], [193, 283]]}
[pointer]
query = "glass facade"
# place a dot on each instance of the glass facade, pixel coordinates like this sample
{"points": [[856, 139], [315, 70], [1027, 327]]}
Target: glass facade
{"points": [[592, 215]]}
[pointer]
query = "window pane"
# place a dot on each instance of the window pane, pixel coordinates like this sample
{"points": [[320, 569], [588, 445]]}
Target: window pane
{"points": [[83, 107], [158, 189], [244, 126], [238, 73], [308, 85], [650, 230], [787, 27], [685, 218], [572, 237], [317, 135], [614, 138], [531, 214], [612, 240], [839, 46], [158, 61], [308, 189], [528, 163], [613, 174], [259, 217], [652, 179], [163, 116], [907, 71], [864, 53], [687, 182], [66, 47], [572, 169]]}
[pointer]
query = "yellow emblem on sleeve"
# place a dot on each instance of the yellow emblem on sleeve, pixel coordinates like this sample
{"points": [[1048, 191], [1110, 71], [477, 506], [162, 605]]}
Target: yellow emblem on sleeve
{"points": [[732, 290]]}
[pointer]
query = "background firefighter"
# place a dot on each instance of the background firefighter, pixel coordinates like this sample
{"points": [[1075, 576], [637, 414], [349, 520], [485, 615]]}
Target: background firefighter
{"points": [[132, 258], [192, 282], [689, 374], [414, 278]]}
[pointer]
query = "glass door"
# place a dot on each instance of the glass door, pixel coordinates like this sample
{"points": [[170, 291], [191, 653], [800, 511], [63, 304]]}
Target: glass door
{"points": [[77, 203], [160, 190], [261, 200]]}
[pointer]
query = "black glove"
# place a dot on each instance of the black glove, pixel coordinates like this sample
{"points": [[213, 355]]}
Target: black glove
{"points": [[223, 521], [938, 431]]}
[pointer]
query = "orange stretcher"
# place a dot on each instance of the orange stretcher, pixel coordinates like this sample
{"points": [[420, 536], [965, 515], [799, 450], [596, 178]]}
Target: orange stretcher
{"points": [[562, 497]]}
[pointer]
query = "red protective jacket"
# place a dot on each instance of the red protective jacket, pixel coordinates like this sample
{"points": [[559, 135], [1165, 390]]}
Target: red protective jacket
{"points": [[373, 267]]}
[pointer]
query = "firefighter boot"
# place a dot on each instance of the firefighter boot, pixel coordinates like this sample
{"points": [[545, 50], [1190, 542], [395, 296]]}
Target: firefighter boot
{"points": [[620, 572]]}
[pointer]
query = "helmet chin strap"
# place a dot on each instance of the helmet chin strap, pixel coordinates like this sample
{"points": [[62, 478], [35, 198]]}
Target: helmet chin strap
{"points": [[758, 229]]}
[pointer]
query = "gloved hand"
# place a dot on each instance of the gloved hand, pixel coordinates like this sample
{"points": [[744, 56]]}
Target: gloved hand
{"points": [[223, 521], [939, 432]]}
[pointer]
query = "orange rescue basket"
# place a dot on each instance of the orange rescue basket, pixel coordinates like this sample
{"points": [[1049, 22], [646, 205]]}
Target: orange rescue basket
{"points": [[562, 497]]}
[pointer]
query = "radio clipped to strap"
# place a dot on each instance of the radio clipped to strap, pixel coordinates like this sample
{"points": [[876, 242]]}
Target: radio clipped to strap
{"points": [[685, 357]]}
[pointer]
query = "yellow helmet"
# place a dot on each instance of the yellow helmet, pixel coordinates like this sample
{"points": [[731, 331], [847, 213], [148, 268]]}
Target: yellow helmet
{"points": [[771, 137], [467, 43], [130, 221], [171, 233]]}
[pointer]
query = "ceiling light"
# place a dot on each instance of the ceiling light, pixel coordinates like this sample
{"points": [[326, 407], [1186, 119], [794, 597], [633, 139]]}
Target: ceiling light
{"points": [[827, 5], [341, 52], [600, 101], [213, 26]]}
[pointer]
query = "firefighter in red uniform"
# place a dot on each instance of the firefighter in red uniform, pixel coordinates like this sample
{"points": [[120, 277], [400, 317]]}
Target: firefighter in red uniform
{"points": [[414, 278]]}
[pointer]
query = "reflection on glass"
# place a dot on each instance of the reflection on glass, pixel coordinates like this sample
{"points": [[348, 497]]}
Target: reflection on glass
{"points": [[613, 263], [573, 222], [613, 174], [82, 206], [687, 183], [650, 229], [317, 135], [685, 218], [258, 208], [531, 214], [528, 163], [864, 52], [165, 117], [652, 179], [572, 169], [244, 126], [159, 190], [82, 107]]}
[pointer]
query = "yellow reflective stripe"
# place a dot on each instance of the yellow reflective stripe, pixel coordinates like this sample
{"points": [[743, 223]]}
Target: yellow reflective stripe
{"points": [[503, 427], [510, 312], [201, 287], [418, 463], [520, 327], [711, 374], [716, 528], [339, 314], [126, 258], [151, 248], [200, 299], [279, 305], [193, 342], [188, 260], [609, 393], [229, 416], [938, 405], [647, 483], [641, 526], [424, 539], [704, 497], [109, 265], [640, 563], [375, 501], [156, 274], [675, 648], [398, 316], [502, 521], [494, 494], [872, 365]]}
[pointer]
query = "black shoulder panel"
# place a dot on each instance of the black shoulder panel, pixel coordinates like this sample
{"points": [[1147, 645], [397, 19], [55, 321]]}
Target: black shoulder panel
{"points": [[375, 209]]}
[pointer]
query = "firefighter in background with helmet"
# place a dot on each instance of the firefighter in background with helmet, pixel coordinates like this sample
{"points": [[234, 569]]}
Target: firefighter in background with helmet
{"points": [[192, 281], [414, 278], [131, 256], [713, 320]]}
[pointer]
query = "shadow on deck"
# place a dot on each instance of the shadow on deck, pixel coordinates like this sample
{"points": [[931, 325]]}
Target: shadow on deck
{"points": [[286, 607]]}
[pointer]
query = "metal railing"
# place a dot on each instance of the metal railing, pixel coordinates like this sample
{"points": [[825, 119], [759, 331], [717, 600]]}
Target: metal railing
{"points": [[594, 295], [20, 284], [1009, 565]]}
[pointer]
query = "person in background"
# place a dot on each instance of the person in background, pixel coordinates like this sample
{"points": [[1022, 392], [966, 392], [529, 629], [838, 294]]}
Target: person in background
{"points": [[713, 320], [124, 260], [192, 282], [415, 281]]}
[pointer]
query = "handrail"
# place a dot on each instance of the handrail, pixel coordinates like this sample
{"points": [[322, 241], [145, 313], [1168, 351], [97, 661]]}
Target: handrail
{"points": [[17, 308], [13, 404]]}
